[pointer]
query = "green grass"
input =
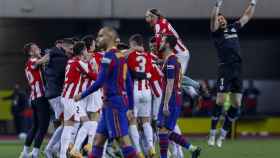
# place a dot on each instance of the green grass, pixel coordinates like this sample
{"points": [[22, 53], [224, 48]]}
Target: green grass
{"points": [[268, 148]]}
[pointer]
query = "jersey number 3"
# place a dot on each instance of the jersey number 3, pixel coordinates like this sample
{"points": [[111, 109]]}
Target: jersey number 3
{"points": [[141, 63]]}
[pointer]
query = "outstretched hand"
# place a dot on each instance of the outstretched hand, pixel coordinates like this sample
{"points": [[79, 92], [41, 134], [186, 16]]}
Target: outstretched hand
{"points": [[219, 3], [254, 2]]}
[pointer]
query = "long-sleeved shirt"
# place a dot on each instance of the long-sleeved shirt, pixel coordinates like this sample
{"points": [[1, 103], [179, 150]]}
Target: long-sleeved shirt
{"points": [[115, 80]]}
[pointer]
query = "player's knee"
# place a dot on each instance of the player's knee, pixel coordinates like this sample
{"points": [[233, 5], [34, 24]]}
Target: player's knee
{"points": [[99, 140], [220, 100], [84, 119], [124, 141], [93, 116], [145, 120], [236, 103], [68, 123], [163, 130], [236, 100], [132, 121]]}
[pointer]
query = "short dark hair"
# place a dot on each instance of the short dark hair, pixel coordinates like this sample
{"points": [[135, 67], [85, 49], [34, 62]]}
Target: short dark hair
{"points": [[68, 41], [78, 48], [156, 12], [138, 39], [59, 41], [76, 39], [122, 46], [220, 14], [27, 47], [88, 40], [172, 40]]}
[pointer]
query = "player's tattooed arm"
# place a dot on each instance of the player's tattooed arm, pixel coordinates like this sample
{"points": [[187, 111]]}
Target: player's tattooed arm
{"points": [[214, 24], [248, 14], [168, 93]]}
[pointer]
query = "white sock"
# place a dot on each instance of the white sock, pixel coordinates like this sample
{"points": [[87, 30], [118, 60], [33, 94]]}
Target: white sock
{"points": [[35, 152], [92, 131], [55, 138], [144, 143], [133, 131], [148, 132], [81, 135], [212, 132], [65, 140], [25, 149], [104, 149], [179, 148], [74, 132], [223, 133]]}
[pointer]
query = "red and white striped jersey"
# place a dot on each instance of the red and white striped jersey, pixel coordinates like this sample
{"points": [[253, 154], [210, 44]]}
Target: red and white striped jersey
{"points": [[157, 75], [35, 79], [162, 28], [140, 62], [74, 72], [93, 66], [156, 71]]}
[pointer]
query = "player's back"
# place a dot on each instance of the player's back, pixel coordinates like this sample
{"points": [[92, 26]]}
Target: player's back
{"points": [[163, 28], [35, 79], [72, 78], [139, 62]]}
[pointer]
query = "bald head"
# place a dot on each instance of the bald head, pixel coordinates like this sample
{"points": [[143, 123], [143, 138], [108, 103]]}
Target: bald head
{"points": [[106, 37]]}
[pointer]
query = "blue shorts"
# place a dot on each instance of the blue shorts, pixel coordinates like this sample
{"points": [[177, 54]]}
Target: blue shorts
{"points": [[113, 122], [170, 121]]}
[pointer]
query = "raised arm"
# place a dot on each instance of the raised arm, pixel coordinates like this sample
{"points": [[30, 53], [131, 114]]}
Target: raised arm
{"points": [[42, 60], [214, 24], [248, 14]]}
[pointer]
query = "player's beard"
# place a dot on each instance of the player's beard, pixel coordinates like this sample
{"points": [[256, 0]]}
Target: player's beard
{"points": [[101, 46]]}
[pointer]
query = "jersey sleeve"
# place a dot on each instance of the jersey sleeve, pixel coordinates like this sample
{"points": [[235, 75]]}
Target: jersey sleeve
{"points": [[157, 36], [129, 87], [84, 67], [131, 63], [102, 75], [237, 25], [171, 68]]}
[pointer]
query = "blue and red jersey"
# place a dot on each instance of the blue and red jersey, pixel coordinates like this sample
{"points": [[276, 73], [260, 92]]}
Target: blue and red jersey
{"points": [[115, 80], [172, 70]]}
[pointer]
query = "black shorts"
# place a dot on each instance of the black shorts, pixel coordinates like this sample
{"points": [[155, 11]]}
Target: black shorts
{"points": [[230, 78], [41, 111]]}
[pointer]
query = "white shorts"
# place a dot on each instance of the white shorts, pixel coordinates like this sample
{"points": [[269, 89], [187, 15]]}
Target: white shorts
{"points": [[183, 58], [71, 109], [142, 101], [94, 102], [57, 106], [156, 101], [91, 103]]}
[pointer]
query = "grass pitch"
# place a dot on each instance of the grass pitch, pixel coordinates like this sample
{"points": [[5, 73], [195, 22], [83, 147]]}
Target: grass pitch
{"points": [[262, 148]]}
